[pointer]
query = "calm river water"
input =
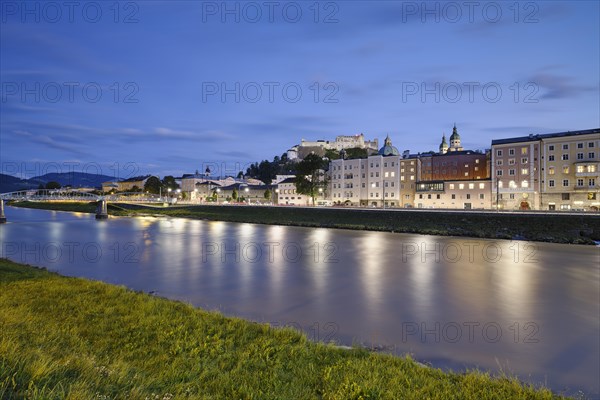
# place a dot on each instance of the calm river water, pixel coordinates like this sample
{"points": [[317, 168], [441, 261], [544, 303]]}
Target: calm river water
{"points": [[530, 309]]}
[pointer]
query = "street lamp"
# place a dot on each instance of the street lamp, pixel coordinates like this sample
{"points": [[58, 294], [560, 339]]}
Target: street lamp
{"points": [[218, 191]]}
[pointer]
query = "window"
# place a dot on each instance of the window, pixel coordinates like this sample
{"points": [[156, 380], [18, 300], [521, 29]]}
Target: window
{"points": [[499, 153], [499, 172], [438, 196], [591, 196], [551, 147], [512, 196], [592, 182], [482, 186], [565, 170], [481, 196], [386, 175], [580, 145], [385, 165], [377, 174], [591, 168], [511, 161], [511, 172], [452, 186], [420, 196], [498, 162], [565, 147], [591, 144], [565, 182], [468, 196], [524, 184], [579, 182], [453, 196], [363, 185], [565, 157], [523, 150], [551, 183], [477, 161], [392, 174], [580, 156], [429, 196], [565, 196], [551, 157], [580, 168], [471, 186], [461, 186], [590, 155], [551, 171], [466, 174], [363, 175], [511, 152], [371, 174], [524, 171], [524, 160]]}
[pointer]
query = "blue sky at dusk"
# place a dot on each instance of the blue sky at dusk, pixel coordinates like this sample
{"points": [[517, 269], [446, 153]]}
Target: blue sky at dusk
{"points": [[141, 82]]}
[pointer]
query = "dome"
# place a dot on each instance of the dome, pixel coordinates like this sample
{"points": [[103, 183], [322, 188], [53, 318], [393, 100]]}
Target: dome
{"points": [[388, 149], [455, 135], [443, 145]]}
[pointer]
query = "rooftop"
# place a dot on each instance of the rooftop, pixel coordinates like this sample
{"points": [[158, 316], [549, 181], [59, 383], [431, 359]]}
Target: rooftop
{"points": [[536, 137]]}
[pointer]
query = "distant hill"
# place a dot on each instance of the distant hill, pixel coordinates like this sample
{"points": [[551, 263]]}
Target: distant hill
{"points": [[9, 183]]}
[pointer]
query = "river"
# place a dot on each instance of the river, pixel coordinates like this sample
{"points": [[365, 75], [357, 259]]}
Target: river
{"points": [[528, 309]]}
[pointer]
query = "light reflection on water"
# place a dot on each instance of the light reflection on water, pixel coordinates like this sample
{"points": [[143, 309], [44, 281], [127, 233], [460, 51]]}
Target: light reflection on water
{"points": [[425, 295]]}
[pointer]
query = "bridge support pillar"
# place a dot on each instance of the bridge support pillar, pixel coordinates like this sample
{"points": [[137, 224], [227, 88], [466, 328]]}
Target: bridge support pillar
{"points": [[2, 216], [102, 210]]}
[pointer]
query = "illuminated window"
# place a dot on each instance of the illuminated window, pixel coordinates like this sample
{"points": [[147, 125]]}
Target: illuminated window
{"points": [[452, 186], [524, 150], [471, 186], [461, 185], [524, 184], [565, 170], [524, 171], [580, 168], [512, 184], [482, 186], [551, 171]]}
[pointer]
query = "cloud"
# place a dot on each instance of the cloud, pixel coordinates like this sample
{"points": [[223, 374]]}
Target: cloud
{"points": [[50, 142], [555, 86]]}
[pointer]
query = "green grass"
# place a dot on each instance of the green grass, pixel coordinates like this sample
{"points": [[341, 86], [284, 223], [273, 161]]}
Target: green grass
{"points": [[70, 338], [557, 228]]}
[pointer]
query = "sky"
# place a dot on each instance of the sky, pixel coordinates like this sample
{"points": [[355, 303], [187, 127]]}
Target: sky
{"points": [[155, 87]]}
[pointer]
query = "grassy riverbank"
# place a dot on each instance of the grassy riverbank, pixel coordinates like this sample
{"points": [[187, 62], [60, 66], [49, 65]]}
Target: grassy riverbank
{"points": [[69, 338], [557, 228]]}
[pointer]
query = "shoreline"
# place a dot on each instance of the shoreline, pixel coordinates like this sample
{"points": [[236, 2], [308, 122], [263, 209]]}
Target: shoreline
{"points": [[115, 341], [550, 228]]}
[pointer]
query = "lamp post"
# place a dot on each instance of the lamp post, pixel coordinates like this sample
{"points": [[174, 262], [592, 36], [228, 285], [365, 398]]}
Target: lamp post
{"points": [[277, 195], [218, 191]]}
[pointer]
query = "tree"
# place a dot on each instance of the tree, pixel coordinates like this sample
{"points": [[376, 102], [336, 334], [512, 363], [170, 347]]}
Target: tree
{"points": [[240, 175], [153, 185], [169, 183], [310, 176], [332, 154], [356, 152], [268, 194], [53, 185], [234, 194]]}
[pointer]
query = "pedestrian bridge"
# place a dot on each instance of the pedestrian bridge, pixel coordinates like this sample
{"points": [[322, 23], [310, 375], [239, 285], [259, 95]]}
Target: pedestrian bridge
{"points": [[77, 195]]}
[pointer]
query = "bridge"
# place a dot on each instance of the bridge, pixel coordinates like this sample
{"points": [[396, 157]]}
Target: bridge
{"points": [[77, 195]]}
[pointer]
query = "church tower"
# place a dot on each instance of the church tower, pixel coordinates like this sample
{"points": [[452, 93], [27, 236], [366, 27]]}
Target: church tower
{"points": [[455, 140], [443, 145]]}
